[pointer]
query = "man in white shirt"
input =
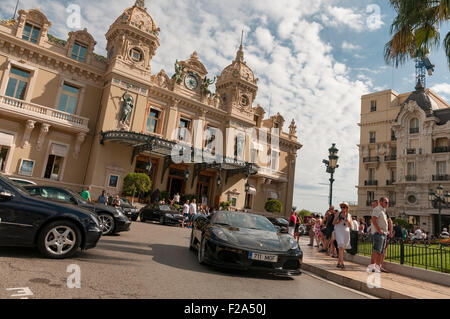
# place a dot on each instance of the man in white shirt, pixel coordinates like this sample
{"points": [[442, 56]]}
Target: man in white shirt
{"points": [[193, 211], [185, 212], [355, 225], [380, 229], [417, 233]]}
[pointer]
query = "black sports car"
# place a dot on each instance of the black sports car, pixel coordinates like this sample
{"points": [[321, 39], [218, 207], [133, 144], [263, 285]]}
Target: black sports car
{"points": [[128, 209], [112, 220], [245, 241], [58, 230], [280, 223], [163, 213]]}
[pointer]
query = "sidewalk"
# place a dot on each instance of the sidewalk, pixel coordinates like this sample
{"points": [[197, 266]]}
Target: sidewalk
{"points": [[355, 276]]}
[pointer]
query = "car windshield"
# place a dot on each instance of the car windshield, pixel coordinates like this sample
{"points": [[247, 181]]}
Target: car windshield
{"points": [[282, 221], [77, 197], [164, 207], [125, 201], [14, 186], [243, 220]]}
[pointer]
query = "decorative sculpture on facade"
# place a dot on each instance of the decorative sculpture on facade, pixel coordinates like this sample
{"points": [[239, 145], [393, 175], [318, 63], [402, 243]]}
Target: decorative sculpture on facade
{"points": [[205, 86], [128, 105], [178, 76]]}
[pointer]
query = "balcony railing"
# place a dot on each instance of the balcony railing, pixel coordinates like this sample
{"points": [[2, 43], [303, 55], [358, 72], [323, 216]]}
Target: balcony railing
{"points": [[441, 149], [410, 151], [390, 182], [413, 130], [390, 158], [441, 177], [371, 183], [371, 159], [43, 113], [411, 178]]}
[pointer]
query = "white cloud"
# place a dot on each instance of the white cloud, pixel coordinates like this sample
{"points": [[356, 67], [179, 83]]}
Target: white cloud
{"points": [[285, 49], [347, 46], [442, 88], [338, 16]]}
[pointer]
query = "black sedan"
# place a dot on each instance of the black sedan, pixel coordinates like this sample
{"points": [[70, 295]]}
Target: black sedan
{"points": [[128, 209], [57, 230], [280, 223], [112, 220], [245, 241], [163, 213]]}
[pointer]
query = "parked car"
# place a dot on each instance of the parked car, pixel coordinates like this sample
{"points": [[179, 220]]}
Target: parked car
{"points": [[245, 241], [128, 209], [163, 213], [21, 181], [56, 229], [112, 220], [280, 223]]}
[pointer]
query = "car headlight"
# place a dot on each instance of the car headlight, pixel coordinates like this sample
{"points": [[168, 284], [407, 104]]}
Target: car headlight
{"points": [[293, 243], [220, 234]]}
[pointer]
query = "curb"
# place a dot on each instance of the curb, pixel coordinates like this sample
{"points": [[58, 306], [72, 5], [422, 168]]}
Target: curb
{"points": [[354, 284]]}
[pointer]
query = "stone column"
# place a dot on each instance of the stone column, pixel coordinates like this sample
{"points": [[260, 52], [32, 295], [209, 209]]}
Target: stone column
{"points": [[29, 126]]}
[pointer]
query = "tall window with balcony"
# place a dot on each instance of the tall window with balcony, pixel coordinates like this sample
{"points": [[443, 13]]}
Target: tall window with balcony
{"points": [[393, 137], [239, 142], [69, 99], [414, 126], [275, 161], [17, 83], [411, 171], [183, 128], [210, 137], [153, 119], [372, 138], [31, 33], [373, 106], [441, 171], [79, 52]]}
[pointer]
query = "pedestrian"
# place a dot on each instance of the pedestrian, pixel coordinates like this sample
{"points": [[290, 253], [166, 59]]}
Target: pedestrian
{"points": [[109, 200], [116, 202], [362, 226], [317, 228], [342, 224], [397, 231], [404, 233], [355, 226], [292, 223], [156, 195], [185, 213], [389, 236], [310, 229], [380, 229], [176, 198], [86, 194], [102, 199], [444, 233], [192, 211], [327, 229]]}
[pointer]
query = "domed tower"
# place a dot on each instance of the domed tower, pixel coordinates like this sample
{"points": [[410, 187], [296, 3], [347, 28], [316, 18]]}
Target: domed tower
{"points": [[133, 40], [237, 86]]}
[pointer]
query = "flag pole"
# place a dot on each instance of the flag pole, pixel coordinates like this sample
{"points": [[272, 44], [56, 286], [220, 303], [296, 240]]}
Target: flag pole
{"points": [[15, 11]]}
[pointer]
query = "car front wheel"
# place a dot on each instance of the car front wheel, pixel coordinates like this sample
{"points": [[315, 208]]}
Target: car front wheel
{"points": [[107, 223], [59, 239]]}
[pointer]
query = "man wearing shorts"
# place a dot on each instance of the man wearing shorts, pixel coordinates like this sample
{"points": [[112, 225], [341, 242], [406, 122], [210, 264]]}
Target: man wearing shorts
{"points": [[380, 229], [185, 213]]}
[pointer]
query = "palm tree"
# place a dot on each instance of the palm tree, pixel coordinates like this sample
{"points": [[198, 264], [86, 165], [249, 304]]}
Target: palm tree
{"points": [[415, 30]]}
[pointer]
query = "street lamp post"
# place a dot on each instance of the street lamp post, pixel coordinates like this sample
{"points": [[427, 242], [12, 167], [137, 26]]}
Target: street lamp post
{"points": [[331, 165], [441, 198]]}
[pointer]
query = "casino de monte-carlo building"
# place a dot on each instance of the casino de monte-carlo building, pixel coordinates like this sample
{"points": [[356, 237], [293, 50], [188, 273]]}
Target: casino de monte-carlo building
{"points": [[72, 118], [404, 152]]}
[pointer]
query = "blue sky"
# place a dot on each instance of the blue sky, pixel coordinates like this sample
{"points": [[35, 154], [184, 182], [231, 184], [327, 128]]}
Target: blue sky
{"points": [[314, 60]]}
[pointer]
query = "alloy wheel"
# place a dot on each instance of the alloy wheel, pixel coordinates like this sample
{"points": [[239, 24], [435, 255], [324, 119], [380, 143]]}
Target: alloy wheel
{"points": [[60, 240], [106, 223]]}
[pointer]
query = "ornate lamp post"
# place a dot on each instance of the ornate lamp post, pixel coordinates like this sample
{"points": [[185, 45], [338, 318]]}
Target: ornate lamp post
{"points": [[331, 165], [187, 174], [148, 167], [441, 198]]}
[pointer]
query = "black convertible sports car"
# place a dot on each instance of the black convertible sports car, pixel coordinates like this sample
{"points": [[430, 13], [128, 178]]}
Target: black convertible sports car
{"points": [[112, 220], [163, 213], [58, 230], [245, 241], [128, 209]]}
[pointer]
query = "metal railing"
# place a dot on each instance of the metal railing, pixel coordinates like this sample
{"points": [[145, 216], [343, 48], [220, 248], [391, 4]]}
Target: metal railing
{"points": [[371, 159], [411, 178], [415, 253], [413, 130], [388, 158], [390, 182], [39, 111], [410, 151], [441, 149], [371, 183], [441, 177]]}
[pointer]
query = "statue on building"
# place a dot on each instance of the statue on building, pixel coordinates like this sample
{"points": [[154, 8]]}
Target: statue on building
{"points": [[292, 128], [128, 105], [178, 76], [205, 85]]}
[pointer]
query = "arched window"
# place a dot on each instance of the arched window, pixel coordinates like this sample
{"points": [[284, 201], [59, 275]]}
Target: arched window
{"points": [[414, 126]]}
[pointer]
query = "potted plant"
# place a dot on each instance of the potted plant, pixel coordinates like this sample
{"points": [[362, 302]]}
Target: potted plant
{"points": [[136, 183]]}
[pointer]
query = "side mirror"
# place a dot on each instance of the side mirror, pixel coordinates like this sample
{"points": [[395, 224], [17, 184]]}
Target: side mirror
{"points": [[6, 195]]}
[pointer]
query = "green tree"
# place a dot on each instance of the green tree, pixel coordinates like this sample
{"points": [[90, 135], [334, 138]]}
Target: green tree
{"points": [[225, 205], [136, 183], [416, 29], [304, 213], [273, 206]]}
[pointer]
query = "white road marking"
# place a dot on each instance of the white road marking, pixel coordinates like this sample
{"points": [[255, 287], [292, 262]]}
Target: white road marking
{"points": [[337, 285]]}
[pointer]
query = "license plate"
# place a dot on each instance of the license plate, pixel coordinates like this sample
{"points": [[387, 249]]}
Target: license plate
{"points": [[261, 257]]}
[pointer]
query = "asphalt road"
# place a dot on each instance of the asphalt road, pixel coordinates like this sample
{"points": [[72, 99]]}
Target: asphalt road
{"points": [[150, 261]]}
